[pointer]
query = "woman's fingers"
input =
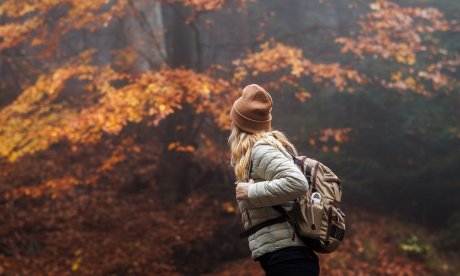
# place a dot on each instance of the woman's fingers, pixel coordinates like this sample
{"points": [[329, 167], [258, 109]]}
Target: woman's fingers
{"points": [[242, 190]]}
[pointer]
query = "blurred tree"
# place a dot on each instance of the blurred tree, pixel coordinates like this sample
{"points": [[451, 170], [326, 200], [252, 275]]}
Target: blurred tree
{"points": [[123, 89]]}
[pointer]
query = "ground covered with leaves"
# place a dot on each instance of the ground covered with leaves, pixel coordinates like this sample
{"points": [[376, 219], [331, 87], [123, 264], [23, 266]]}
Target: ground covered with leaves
{"points": [[374, 245], [120, 225]]}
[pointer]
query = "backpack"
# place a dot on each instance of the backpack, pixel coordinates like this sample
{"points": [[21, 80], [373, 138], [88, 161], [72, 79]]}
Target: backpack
{"points": [[315, 216]]}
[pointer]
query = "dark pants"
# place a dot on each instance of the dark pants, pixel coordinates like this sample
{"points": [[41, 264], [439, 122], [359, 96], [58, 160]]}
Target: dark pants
{"points": [[291, 261]]}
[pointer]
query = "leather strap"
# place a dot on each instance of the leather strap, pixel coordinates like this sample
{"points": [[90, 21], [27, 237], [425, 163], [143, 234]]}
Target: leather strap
{"points": [[259, 226]]}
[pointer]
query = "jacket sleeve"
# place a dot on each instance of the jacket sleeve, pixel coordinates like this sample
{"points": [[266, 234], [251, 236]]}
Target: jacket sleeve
{"points": [[283, 179]]}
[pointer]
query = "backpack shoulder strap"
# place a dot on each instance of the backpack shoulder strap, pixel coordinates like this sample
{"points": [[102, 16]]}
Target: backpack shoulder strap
{"points": [[282, 218], [259, 226]]}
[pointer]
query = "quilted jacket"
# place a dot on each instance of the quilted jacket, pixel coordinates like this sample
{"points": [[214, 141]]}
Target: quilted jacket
{"points": [[278, 181]]}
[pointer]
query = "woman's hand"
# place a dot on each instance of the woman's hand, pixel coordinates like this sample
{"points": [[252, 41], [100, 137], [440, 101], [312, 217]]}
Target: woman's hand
{"points": [[242, 189]]}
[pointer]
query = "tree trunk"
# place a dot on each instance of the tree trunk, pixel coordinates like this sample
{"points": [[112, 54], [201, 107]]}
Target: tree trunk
{"points": [[144, 29]]}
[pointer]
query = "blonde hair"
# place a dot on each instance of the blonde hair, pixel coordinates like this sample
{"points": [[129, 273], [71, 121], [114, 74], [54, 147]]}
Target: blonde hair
{"points": [[241, 144]]}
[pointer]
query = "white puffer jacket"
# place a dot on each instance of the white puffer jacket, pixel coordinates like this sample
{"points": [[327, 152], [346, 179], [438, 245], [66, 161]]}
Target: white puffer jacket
{"points": [[277, 182]]}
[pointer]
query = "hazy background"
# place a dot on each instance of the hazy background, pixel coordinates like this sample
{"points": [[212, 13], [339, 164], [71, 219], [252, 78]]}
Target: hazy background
{"points": [[114, 122]]}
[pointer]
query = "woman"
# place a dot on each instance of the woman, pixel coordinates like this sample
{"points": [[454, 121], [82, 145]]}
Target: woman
{"points": [[267, 176]]}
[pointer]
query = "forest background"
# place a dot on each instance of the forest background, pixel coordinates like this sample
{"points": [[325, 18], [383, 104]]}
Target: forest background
{"points": [[114, 118]]}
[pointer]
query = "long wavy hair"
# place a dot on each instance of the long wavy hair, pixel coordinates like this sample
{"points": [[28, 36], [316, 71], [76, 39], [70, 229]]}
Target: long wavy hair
{"points": [[241, 144]]}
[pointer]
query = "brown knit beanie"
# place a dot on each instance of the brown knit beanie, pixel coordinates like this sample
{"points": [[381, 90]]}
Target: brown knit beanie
{"points": [[252, 111]]}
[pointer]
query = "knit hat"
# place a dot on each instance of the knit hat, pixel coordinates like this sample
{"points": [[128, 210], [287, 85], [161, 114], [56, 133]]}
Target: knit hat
{"points": [[252, 111]]}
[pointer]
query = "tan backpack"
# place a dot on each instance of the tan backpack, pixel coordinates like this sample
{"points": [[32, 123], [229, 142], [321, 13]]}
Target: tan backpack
{"points": [[315, 216]]}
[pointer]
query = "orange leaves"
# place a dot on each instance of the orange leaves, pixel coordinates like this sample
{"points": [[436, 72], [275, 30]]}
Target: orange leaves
{"points": [[29, 23], [178, 147], [13, 34], [229, 207], [51, 187], [302, 95], [407, 82], [205, 5], [329, 139], [105, 108], [272, 57], [125, 58], [118, 154], [438, 74], [209, 154], [279, 58], [152, 96], [339, 135], [390, 31], [92, 231]]}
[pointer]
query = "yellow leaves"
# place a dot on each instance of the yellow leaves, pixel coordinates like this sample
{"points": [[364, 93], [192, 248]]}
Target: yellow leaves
{"points": [[29, 18], [411, 83], [392, 31], [15, 33], [406, 83], [272, 57], [240, 73], [75, 266], [400, 58], [16, 9], [54, 134], [108, 109], [411, 60], [154, 95], [205, 89], [78, 259], [162, 107], [396, 76], [405, 55], [375, 6]]}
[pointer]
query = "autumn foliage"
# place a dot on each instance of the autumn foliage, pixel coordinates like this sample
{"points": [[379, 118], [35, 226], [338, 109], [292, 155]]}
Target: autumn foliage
{"points": [[87, 131]]}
